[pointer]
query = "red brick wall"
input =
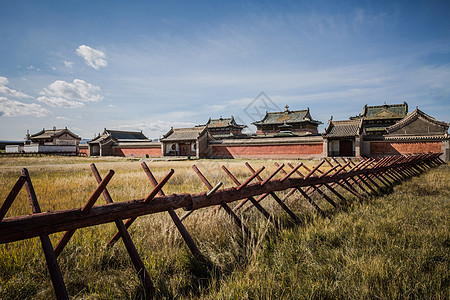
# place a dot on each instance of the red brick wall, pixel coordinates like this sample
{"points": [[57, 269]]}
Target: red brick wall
{"points": [[386, 148], [268, 151], [139, 152], [83, 151]]}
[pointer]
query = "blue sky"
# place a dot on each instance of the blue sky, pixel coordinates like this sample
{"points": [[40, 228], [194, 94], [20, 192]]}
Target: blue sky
{"points": [[147, 65]]}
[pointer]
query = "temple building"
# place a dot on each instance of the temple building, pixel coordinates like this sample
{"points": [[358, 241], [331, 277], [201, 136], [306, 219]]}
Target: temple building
{"points": [[53, 137], [56, 141], [343, 138], [287, 123], [386, 130], [123, 143], [415, 133], [378, 118], [223, 128], [192, 141], [380, 130]]}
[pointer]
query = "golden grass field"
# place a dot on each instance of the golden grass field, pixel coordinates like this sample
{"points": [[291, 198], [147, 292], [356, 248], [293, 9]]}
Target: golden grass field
{"points": [[394, 246]]}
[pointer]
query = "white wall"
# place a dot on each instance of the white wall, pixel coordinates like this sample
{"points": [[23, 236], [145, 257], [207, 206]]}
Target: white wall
{"points": [[12, 148], [334, 147], [169, 147], [47, 148]]}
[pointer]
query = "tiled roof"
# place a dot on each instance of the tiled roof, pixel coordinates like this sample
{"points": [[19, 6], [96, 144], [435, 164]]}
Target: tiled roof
{"points": [[223, 122], [386, 111], [120, 136], [126, 135], [347, 128], [287, 116], [102, 139], [413, 116], [51, 133], [183, 134]]}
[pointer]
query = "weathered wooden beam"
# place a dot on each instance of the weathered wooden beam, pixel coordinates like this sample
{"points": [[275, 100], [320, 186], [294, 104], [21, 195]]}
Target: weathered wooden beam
{"points": [[225, 206], [250, 198], [128, 242], [23, 227], [50, 257], [274, 196], [11, 196], [85, 209], [130, 221]]}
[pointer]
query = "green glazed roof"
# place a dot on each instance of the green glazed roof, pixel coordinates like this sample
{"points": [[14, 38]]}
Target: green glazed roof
{"points": [[286, 117], [386, 111], [223, 122]]}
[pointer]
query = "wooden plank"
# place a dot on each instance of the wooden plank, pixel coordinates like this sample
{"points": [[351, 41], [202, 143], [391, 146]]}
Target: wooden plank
{"points": [[11, 196], [225, 206], [274, 196], [17, 228], [50, 257], [183, 231], [128, 242]]}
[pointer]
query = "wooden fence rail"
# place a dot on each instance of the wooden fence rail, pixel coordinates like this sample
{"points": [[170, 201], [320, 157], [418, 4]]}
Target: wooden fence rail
{"points": [[361, 178]]}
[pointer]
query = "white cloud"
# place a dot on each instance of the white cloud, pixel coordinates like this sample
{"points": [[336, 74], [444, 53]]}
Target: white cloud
{"points": [[31, 67], [216, 107], [94, 58], [11, 108], [10, 92], [70, 95], [68, 64], [60, 102]]}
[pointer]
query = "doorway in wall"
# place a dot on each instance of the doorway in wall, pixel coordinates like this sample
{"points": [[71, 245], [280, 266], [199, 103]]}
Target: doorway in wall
{"points": [[345, 148], [185, 149]]}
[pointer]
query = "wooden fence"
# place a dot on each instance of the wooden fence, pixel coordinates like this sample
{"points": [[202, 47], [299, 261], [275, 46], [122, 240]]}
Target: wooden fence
{"points": [[360, 178]]}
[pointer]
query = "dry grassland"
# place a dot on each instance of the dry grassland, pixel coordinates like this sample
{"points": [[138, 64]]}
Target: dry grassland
{"points": [[395, 246]]}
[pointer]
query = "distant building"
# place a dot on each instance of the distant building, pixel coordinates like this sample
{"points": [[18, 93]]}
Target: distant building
{"points": [[224, 128], [192, 141], [377, 119], [386, 130], [53, 137], [55, 141], [343, 138], [286, 123], [415, 133], [123, 143]]}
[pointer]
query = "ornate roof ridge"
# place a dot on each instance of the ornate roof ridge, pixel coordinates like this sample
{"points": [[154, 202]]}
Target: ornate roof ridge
{"points": [[347, 121], [54, 133], [389, 105], [413, 116], [195, 128], [287, 111], [127, 131]]}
